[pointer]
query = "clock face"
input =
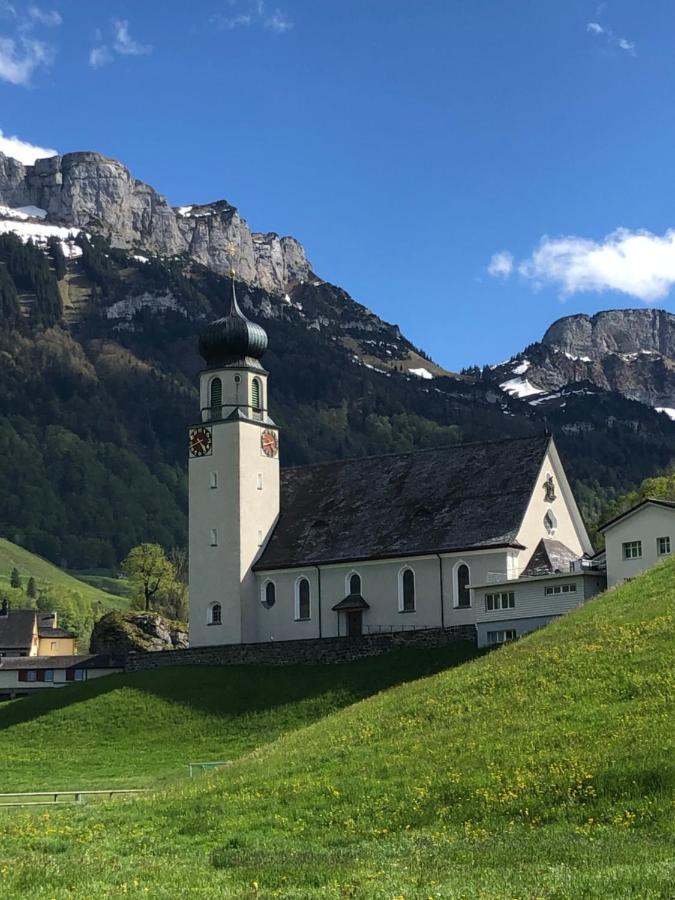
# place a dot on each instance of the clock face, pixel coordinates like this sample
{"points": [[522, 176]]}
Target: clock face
{"points": [[269, 443], [200, 441]]}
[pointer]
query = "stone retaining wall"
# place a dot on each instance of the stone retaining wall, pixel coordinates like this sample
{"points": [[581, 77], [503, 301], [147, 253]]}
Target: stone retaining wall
{"points": [[324, 651]]}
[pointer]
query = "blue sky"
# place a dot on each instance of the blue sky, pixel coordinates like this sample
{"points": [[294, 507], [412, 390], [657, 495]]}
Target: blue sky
{"points": [[469, 169]]}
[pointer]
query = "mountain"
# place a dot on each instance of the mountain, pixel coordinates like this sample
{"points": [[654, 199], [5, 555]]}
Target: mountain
{"points": [[630, 352], [104, 288]]}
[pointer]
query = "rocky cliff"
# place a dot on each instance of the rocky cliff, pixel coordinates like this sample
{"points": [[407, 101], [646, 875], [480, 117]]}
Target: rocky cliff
{"points": [[100, 195], [630, 352]]}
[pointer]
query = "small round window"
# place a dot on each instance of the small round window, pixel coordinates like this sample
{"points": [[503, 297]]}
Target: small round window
{"points": [[269, 596]]}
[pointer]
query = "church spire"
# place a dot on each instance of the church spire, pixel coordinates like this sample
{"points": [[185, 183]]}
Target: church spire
{"points": [[233, 340]]}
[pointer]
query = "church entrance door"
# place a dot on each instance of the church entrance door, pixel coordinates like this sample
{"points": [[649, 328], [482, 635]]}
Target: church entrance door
{"points": [[354, 624]]}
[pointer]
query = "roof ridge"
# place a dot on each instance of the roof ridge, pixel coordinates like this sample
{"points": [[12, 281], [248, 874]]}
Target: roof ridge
{"points": [[348, 459]]}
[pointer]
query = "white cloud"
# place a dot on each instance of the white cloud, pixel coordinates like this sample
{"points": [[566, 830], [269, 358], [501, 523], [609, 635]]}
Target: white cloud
{"points": [[124, 43], [20, 57], [22, 150], [501, 264], [247, 13], [637, 263], [99, 56], [121, 44], [49, 18], [607, 34]]}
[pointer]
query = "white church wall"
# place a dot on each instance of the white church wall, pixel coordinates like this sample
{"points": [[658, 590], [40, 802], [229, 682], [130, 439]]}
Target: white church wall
{"points": [[568, 528]]}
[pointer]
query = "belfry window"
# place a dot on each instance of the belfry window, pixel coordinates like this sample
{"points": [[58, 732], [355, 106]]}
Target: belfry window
{"points": [[256, 398], [216, 398]]}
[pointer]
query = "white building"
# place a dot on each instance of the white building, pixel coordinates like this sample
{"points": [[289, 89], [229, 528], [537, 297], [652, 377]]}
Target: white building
{"points": [[638, 539], [436, 538]]}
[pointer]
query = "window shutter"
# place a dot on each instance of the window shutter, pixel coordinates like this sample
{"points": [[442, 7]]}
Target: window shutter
{"points": [[255, 394]]}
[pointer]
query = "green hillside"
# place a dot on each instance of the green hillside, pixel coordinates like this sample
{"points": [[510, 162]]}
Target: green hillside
{"points": [[545, 769], [77, 602], [137, 730]]}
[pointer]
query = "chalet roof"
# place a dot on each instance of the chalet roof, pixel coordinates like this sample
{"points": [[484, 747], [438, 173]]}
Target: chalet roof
{"points": [[466, 497], [44, 632], [94, 661], [16, 628], [549, 557], [650, 501]]}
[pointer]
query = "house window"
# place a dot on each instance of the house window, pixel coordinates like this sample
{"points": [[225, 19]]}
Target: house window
{"points": [[354, 583], [302, 599], [268, 594], [214, 480], [500, 600], [214, 537], [406, 590], [632, 550], [31, 675], [663, 546], [216, 398], [463, 593], [215, 614], [52, 645], [256, 394], [501, 636], [561, 589], [80, 675], [49, 674]]}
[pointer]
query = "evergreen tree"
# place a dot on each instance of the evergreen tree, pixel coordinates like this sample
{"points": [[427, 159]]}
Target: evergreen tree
{"points": [[15, 578], [31, 589], [58, 258]]}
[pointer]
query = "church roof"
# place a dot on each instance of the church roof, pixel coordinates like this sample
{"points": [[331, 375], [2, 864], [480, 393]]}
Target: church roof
{"points": [[466, 497], [548, 558]]}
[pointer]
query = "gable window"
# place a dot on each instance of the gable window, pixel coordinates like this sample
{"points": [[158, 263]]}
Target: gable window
{"points": [[500, 600], [550, 522], [663, 546], [216, 398], [354, 585], [463, 594], [268, 594], [302, 599], [406, 590], [501, 636], [632, 550]]}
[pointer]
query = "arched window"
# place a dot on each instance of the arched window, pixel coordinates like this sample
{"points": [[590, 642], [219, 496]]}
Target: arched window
{"points": [[269, 594], [256, 397], [550, 522], [302, 599], [355, 583], [216, 398], [463, 595], [215, 614], [406, 590]]}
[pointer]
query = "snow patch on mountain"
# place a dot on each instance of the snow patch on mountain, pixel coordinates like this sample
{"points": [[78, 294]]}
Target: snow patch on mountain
{"points": [[421, 372]]}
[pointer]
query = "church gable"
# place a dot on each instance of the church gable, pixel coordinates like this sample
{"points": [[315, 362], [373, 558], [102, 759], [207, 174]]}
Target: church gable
{"points": [[470, 496]]}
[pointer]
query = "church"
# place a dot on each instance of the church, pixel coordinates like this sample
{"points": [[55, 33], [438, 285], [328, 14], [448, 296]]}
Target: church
{"points": [[484, 537]]}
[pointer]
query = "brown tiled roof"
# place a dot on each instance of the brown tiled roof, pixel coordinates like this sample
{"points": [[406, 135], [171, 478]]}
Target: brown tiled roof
{"points": [[465, 497]]}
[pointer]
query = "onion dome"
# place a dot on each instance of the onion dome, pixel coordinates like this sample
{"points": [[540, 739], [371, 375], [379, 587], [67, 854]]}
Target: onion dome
{"points": [[232, 340]]}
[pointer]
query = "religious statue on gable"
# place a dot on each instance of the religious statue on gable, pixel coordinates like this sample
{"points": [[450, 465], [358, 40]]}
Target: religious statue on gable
{"points": [[549, 489]]}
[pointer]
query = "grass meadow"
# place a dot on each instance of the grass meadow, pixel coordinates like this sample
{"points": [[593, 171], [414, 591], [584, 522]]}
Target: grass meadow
{"points": [[545, 769]]}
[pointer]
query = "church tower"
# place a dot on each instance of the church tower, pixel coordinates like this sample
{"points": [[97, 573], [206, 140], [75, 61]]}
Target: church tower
{"points": [[233, 479]]}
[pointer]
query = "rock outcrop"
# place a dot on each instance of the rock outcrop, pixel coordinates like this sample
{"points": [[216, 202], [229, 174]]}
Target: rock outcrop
{"points": [[119, 633], [630, 352], [90, 191]]}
